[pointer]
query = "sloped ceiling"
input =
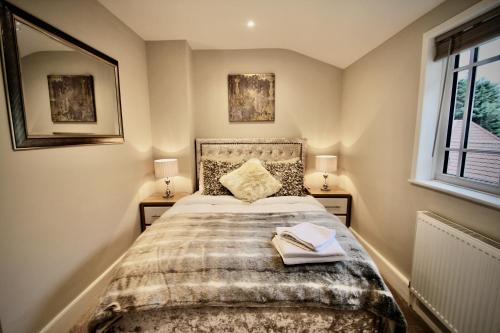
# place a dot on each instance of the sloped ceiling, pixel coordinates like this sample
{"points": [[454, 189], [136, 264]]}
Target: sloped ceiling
{"points": [[338, 32]]}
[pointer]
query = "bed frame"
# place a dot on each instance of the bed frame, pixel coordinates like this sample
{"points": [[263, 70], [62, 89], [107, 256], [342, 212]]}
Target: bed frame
{"points": [[266, 149]]}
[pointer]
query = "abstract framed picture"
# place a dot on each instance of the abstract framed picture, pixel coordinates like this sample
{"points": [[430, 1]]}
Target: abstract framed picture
{"points": [[72, 98], [251, 97]]}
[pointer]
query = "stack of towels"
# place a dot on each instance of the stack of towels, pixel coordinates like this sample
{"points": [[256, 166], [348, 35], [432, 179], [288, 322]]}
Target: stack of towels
{"points": [[307, 243]]}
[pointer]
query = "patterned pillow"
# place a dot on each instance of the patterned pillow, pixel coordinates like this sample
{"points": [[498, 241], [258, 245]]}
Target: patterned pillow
{"points": [[290, 174], [212, 171], [251, 181]]}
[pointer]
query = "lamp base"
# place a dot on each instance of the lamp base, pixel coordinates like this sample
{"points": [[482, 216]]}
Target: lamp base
{"points": [[168, 192], [325, 184]]}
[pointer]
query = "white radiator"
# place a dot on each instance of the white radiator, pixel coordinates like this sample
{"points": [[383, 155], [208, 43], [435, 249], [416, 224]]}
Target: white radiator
{"points": [[456, 275]]}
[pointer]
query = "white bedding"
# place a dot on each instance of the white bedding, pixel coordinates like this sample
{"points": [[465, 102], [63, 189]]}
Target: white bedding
{"points": [[198, 203]]}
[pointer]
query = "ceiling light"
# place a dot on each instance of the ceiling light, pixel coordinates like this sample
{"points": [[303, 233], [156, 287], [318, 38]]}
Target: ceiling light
{"points": [[250, 24]]}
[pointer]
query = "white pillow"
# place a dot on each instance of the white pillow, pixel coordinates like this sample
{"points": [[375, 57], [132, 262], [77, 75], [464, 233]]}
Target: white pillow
{"points": [[251, 181]]}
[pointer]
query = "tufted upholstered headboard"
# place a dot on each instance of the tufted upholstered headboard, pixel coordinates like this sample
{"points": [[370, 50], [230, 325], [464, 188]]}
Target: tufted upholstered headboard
{"points": [[242, 149]]}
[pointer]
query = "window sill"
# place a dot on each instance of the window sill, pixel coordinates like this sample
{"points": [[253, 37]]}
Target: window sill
{"points": [[483, 198]]}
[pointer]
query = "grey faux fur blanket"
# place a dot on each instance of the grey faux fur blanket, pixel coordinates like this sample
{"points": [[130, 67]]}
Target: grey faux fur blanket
{"points": [[227, 259]]}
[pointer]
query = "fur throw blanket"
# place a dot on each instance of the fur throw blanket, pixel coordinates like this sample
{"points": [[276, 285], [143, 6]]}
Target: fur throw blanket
{"points": [[227, 259]]}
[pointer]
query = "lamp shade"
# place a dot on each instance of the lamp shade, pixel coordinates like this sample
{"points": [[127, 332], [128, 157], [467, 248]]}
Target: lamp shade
{"points": [[326, 163], [165, 168]]}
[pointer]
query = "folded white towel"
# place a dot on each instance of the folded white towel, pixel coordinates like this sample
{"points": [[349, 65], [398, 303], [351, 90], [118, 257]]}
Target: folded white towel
{"points": [[307, 235], [293, 255]]}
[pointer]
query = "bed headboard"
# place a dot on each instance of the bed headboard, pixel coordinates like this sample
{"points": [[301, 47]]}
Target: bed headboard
{"points": [[262, 148]]}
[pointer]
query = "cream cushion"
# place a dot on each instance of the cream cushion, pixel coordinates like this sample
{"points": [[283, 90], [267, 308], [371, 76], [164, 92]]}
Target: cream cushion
{"points": [[251, 181]]}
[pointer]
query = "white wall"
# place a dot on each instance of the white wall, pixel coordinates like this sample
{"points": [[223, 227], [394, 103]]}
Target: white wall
{"points": [[307, 98], [67, 213], [379, 107], [188, 94], [170, 93]]}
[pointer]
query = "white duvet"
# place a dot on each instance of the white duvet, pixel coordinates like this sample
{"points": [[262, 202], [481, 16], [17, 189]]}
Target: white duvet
{"points": [[197, 203]]}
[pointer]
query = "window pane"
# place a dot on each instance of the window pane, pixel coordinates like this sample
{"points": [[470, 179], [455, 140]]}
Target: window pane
{"points": [[482, 167], [489, 49], [484, 131], [458, 112], [464, 58], [451, 160]]}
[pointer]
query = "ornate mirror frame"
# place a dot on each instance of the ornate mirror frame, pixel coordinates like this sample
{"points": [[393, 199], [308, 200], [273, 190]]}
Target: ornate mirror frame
{"points": [[14, 90]]}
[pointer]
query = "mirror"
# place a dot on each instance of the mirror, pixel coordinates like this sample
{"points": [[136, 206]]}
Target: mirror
{"points": [[60, 90]]}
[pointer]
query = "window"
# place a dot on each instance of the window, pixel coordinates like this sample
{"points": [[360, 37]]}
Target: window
{"points": [[456, 136], [468, 142]]}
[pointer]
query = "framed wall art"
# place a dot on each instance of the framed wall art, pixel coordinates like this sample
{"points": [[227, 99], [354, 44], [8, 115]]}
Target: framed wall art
{"points": [[251, 97]]}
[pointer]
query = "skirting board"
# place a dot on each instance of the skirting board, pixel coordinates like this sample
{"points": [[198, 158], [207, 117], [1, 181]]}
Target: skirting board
{"points": [[70, 315], [396, 279]]}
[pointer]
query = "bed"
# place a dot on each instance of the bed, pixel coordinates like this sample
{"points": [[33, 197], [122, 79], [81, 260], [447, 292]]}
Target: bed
{"points": [[208, 265]]}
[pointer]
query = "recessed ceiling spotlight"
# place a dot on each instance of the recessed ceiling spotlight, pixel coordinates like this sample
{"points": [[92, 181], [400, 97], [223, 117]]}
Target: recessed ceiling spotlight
{"points": [[250, 24]]}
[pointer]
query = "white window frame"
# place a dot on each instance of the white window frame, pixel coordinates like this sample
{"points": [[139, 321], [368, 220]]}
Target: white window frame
{"points": [[431, 80], [443, 129]]}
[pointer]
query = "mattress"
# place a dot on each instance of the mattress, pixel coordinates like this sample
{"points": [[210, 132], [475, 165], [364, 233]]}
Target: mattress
{"points": [[208, 265]]}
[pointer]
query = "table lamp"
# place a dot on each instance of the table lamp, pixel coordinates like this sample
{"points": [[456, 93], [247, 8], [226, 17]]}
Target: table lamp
{"points": [[166, 168], [326, 164]]}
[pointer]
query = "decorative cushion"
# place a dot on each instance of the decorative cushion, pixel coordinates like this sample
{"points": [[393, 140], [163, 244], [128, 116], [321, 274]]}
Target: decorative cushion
{"points": [[210, 174], [251, 181], [290, 174]]}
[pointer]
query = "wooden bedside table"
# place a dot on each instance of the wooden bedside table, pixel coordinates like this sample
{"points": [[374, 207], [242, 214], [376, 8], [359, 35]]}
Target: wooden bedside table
{"points": [[154, 206], [337, 201]]}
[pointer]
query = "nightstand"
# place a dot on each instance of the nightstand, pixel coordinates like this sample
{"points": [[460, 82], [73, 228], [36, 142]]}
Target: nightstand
{"points": [[154, 206], [336, 201]]}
